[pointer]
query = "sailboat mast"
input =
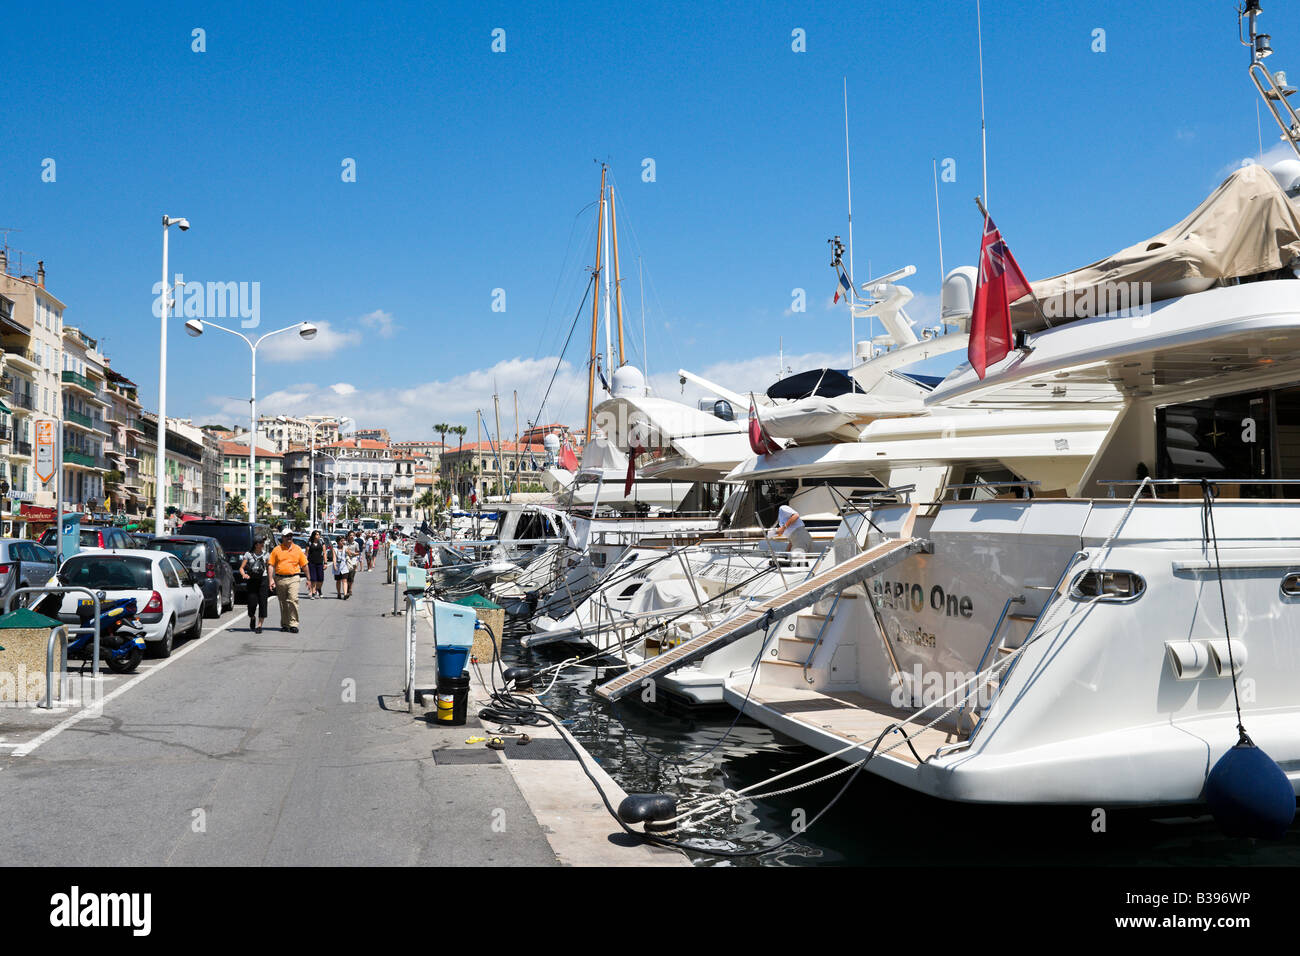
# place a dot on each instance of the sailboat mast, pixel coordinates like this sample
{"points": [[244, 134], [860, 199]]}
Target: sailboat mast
{"points": [[618, 288], [501, 458], [609, 346], [595, 305]]}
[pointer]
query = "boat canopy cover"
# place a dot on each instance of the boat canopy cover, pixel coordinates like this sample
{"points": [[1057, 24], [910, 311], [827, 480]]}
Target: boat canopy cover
{"points": [[600, 454], [826, 382], [1246, 227]]}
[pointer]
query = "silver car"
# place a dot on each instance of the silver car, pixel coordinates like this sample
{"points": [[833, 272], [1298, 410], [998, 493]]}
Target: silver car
{"points": [[169, 602], [23, 564]]}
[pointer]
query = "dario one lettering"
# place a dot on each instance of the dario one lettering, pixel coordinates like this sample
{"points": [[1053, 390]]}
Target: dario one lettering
{"points": [[915, 597]]}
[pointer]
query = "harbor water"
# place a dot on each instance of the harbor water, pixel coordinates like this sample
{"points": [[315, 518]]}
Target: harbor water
{"points": [[692, 752]]}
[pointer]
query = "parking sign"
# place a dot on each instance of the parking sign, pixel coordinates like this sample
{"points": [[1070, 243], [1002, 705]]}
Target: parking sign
{"points": [[45, 450]]}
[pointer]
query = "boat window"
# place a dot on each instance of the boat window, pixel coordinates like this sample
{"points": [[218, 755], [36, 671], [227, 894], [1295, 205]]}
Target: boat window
{"points": [[1229, 438], [1115, 586], [989, 482]]}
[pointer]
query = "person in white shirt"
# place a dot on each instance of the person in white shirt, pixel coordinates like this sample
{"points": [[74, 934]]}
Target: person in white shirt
{"points": [[790, 525]]}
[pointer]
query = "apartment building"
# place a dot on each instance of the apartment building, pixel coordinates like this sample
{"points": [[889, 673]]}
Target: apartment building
{"points": [[183, 475], [429, 451], [404, 494], [235, 477], [84, 430], [122, 447], [284, 432], [31, 324], [357, 468], [479, 467]]}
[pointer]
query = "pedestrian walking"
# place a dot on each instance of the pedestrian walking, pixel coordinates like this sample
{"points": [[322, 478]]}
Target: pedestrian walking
{"points": [[287, 561], [252, 568], [354, 562], [315, 565], [339, 561]]}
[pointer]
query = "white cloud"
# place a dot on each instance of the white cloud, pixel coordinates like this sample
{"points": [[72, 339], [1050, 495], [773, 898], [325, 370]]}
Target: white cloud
{"points": [[381, 322], [294, 348], [342, 388]]}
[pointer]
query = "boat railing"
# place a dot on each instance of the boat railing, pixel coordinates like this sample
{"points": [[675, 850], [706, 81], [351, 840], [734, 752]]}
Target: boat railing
{"points": [[1028, 486], [1111, 485]]}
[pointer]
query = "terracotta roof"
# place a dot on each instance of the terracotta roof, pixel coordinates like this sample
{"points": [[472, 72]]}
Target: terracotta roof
{"points": [[368, 443], [234, 449], [505, 446]]}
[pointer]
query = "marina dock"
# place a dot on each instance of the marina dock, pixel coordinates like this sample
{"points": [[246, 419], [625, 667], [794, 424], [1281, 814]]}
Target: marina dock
{"points": [[293, 749]]}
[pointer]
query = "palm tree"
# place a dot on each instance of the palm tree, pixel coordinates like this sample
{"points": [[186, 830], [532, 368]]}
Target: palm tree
{"points": [[426, 501], [264, 508], [459, 431], [236, 508], [353, 507], [442, 428]]}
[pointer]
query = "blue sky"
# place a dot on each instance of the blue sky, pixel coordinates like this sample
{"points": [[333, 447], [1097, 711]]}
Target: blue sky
{"points": [[476, 171]]}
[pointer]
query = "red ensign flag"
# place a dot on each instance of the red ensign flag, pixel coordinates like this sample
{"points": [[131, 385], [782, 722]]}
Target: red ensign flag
{"points": [[1000, 283]]}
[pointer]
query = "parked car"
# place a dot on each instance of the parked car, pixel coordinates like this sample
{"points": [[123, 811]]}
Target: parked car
{"points": [[235, 538], [207, 561], [168, 597], [23, 564], [141, 538], [104, 537]]}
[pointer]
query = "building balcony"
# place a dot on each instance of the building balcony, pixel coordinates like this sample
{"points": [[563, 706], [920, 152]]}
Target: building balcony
{"points": [[6, 433], [21, 356], [78, 458], [22, 449], [78, 381], [78, 418], [23, 401], [6, 383]]}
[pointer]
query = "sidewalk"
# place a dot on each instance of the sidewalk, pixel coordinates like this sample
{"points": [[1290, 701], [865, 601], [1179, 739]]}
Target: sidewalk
{"points": [[577, 825]]}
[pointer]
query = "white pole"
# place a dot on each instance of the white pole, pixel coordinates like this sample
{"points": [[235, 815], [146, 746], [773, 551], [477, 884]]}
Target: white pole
{"points": [[848, 182], [938, 221], [984, 142], [311, 475], [252, 437], [160, 461]]}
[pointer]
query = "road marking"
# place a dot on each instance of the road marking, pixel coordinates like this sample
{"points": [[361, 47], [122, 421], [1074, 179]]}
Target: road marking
{"points": [[86, 712]]}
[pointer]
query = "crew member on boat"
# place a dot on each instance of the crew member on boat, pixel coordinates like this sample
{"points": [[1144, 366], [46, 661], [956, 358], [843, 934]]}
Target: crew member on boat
{"points": [[790, 525]]}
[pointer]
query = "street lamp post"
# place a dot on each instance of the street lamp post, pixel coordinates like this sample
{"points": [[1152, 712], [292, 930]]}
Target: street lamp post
{"points": [[311, 461], [160, 462], [333, 489], [196, 327]]}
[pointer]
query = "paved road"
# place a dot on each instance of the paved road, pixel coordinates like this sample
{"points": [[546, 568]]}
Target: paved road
{"points": [[250, 750]]}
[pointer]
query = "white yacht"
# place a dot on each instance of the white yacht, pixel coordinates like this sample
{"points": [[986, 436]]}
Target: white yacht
{"points": [[1087, 644]]}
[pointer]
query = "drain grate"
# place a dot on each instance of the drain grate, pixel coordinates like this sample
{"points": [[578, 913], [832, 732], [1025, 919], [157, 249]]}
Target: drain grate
{"points": [[477, 755], [548, 749]]}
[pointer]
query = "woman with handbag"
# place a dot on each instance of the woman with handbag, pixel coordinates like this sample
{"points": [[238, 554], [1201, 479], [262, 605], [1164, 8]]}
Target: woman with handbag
{"points": [[252, 568]]}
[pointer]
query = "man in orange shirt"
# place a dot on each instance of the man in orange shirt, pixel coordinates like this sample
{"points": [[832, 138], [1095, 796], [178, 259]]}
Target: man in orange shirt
{"points": [[286, 563]]}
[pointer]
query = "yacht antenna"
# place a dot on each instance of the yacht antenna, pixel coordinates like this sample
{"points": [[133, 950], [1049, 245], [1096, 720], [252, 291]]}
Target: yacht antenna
{"points": [[645, 354], [848, 183], [1271, 86], [938, 221], [618, 281], [984, 139]]}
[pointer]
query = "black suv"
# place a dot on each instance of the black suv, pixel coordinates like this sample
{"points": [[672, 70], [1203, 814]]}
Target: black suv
{"points": [[235, 538], [207, 562]]}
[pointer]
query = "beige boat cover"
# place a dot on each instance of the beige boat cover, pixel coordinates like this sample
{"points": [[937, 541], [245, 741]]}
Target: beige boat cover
{"points": [[1247, 226]]}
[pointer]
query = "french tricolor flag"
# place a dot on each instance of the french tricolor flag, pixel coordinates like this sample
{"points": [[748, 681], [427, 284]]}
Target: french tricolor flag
{"points": [[844, 288]]}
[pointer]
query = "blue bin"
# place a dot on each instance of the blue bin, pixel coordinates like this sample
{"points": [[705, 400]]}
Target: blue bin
{"points": [[452, 661]]}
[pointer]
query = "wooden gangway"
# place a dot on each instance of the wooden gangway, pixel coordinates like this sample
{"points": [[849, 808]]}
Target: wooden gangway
{"points": [[804, 594]]}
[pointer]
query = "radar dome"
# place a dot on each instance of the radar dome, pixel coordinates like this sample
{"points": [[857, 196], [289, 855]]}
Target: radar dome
{"points": [[629, 381], [1287, 174], [958, 295], [551, 442]]}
